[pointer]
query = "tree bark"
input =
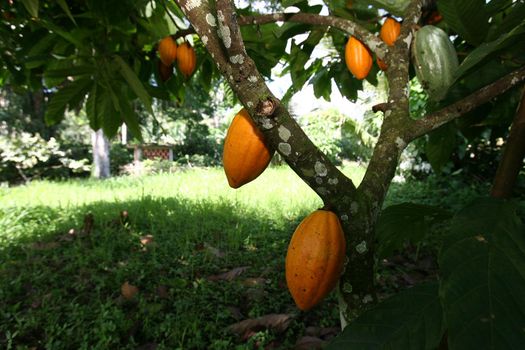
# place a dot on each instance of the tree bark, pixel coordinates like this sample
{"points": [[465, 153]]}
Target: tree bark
{"points": [[512, 160], [101, 161]]}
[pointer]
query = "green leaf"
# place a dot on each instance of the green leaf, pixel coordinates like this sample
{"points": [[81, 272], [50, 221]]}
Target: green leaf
{"points": [[347, 85], [134, 83], [395, 7], [410, 320], [63, 5], [31, 7], [111, 121], [70, 94], [92, 107], [505, 21], [63, 33], [406, 222], [516, 35], [440, 145], [482, 265], [322, 83], [69, 72], [128, 114], [467, 17]]}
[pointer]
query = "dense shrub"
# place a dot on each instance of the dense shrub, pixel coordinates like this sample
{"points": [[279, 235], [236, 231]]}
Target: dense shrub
{"points": [[25, 156]]}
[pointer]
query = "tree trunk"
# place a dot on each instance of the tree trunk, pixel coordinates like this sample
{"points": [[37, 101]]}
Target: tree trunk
{"points": [[512, 160], [100, 145]]}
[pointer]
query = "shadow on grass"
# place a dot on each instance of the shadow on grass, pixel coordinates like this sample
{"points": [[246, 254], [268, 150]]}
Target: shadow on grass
{"points": [[61, 282]]}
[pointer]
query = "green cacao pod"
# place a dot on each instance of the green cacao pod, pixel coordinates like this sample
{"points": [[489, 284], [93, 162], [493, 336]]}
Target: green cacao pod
{"points": [[435, 61]]}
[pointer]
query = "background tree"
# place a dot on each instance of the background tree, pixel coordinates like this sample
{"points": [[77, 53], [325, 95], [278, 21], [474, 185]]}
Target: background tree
{"points": [[84, 52]]}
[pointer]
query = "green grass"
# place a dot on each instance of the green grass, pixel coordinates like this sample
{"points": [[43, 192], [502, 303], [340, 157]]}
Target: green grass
{"points": [[62, 291]]}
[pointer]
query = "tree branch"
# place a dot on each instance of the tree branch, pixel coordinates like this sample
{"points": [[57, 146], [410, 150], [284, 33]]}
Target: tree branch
{"points": [[436, 119], [217, 31], [512, 160], [347, 26], [344, 25]]}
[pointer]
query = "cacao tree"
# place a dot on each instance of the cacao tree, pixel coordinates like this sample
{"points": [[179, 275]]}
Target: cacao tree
{"points": [[83, 53]]}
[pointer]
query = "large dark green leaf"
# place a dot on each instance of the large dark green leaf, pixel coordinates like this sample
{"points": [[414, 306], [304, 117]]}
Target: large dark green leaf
{"points": [[516, 35], [31, 7], [440, 145], [92, 107], [406, 222], [128, 114], [506, 20], [70, 94], [322, 83], [482, 266], [134, 82], [467, 17], [410, 320], [64, 33], [299, 57], [74, 71], [63, 5], [347, 85]]}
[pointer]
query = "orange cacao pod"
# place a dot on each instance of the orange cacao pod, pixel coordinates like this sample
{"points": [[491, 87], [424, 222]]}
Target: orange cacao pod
{"points": [[434, 18], [390, 31], [186, 59], [315, 258], [167, 50], [382, 65], [165, 72], [358, 58], [245, 154]]}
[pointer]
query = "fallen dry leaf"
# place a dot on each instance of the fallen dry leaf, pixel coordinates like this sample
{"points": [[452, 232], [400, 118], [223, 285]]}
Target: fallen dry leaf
{"points": [[128, 290], [162, 292], [147, 239], [229, 275], [277, 322], [254, 282], [235, 312], [329, 332], [309, 343], [214, 251]]}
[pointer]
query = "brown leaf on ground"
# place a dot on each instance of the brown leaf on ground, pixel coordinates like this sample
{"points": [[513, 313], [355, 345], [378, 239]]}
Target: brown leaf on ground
{"points": [[235, 312], [162, 292], [312, 331], [276, 322], [329, 332], [128, 290], [229, 275], [254, 282], [214, 251], [309, 343], [147, 239]]}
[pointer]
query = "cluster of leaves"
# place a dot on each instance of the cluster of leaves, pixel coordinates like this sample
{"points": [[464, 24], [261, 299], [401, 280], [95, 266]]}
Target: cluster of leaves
{"points": [[86, 54], [487, 34], [27, 155], [478, 298]]}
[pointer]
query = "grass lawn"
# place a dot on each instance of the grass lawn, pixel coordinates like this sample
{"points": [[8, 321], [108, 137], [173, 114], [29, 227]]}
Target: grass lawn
{"points": [[203, 257]]}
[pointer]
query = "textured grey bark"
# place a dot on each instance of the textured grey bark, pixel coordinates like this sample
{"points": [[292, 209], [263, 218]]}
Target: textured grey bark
{"points": [[101, 161]]}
